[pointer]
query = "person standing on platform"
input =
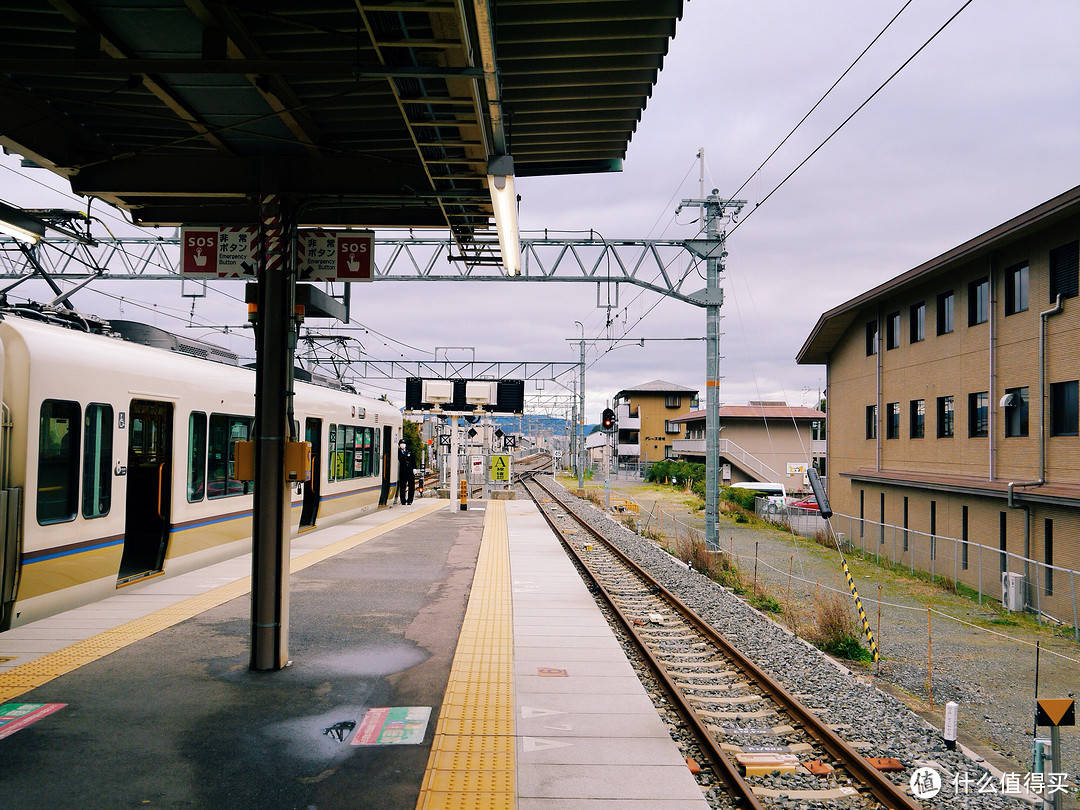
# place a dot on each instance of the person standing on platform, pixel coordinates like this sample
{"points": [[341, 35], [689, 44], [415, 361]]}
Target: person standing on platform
{"points": [[406, 473]]}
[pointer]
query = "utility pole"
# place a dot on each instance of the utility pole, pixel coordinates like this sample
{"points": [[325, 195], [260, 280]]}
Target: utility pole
{"points": [[712, 249]]}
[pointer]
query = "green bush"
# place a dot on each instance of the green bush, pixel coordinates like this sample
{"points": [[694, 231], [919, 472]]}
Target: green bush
{"points": [[740, 497], [682, 471]]}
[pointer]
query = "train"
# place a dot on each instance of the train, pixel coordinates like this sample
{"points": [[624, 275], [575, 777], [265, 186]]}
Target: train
{"points": [[117, 457]]}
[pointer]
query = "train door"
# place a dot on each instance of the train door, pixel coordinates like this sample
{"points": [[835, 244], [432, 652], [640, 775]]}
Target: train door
{"points": [[149, 479], [387, 458], [310, 511]]}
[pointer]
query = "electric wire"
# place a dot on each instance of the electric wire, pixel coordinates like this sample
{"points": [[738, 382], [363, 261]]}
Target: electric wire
{"points": [[818, 103], [857, 110]]}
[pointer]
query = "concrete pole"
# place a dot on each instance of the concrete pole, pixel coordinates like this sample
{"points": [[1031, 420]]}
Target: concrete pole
{"points": [[714, 266], [581, 417]]}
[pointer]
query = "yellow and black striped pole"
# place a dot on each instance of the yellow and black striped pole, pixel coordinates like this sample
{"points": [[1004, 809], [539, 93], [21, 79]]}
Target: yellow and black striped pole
{"points": [[826, 512], [858, 606]]}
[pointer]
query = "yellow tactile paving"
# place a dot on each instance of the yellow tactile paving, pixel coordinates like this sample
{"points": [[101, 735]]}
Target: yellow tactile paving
{"points": [[20, 679], [471, 766]]}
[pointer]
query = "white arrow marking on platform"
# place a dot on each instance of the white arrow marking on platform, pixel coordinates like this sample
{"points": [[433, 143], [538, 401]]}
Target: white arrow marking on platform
{"points": [[567, 727], [528, 712], [530, 744]]}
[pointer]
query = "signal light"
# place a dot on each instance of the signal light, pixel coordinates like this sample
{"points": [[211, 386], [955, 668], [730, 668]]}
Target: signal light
{"points": [[608, 419]]}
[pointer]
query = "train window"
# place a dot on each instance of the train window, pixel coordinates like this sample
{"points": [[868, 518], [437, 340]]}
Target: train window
{"points": [[97, 460], [58, 461], [224, 431], [196, 470], [353, 452]]}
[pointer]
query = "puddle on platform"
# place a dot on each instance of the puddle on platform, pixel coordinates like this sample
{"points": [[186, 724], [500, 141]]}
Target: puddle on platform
{"points": [[377, 661], [319, 737]]}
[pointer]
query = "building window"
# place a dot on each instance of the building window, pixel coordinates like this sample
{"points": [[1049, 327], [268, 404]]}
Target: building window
{"points": [[881, 518], [871, 421], [1064, 414], [1016, 411], [1016, 289], [1048, 555], [1003, 523], [672, 401], [964, 538], [695, 403], [978, 301], [905, 532], [945, 303], [671, 427], [892, 331], [918, 418], [871, 338], [918, 322], [933, 530], [1063, 271], [979, 414], [862, 512], [892, 420], [944, 417]]}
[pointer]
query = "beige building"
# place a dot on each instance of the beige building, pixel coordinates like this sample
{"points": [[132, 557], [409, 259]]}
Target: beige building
{"points": [[647, 417], [953, 409], [762, 441]]}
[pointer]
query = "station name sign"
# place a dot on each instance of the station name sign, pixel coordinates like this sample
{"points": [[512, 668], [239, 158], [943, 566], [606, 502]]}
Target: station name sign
{"points": [[233, 252]]}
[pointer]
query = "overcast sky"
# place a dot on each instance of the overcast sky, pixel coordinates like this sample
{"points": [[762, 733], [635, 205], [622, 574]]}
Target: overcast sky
{"points": [[982, 125]]}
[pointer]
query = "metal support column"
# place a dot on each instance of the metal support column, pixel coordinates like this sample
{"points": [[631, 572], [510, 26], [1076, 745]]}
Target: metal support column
{"points": [[712, 249], [275, 342], [581, 453]]}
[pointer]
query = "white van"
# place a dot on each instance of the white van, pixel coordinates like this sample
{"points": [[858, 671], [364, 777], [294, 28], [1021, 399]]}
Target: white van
{"points": [[775, 494]]}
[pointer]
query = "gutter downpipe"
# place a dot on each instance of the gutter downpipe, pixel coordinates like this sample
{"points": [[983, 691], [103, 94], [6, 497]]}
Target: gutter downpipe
{"points": [[1043, 317]]}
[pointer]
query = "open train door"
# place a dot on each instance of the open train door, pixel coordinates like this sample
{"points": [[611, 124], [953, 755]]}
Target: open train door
{"points": [[387, 450], [149, 484], [310, 511]]}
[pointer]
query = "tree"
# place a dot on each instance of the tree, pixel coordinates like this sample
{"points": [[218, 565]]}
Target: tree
{"points": [[411, 432]]}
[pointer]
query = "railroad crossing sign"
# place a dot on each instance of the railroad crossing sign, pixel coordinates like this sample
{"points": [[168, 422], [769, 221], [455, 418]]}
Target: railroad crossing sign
{"points": [[500, 468]]}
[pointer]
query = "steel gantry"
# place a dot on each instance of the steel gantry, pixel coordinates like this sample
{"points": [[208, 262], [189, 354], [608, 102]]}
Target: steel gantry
{"points": [[664, 266]]}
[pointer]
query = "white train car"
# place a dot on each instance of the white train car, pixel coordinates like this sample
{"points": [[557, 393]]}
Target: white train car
{"points": [[116, 464]]}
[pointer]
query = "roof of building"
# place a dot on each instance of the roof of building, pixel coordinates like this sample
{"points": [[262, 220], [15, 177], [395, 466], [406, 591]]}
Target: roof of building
{"points": [[757, 412], [833, 324], [657, 387]]}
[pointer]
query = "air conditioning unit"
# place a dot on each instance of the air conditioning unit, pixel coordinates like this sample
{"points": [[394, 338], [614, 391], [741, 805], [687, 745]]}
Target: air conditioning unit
{"points": [[1012, 592]]}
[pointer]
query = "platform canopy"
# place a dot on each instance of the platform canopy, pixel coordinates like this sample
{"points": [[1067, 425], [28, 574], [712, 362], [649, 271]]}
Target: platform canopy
{"points": [[377, 114]]}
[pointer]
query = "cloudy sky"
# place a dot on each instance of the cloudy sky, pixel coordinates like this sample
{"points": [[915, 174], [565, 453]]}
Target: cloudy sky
{"points": [[982, 125]]}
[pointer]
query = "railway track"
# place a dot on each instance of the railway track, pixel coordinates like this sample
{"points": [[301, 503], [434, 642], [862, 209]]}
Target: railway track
{"points": [[747, 725]]}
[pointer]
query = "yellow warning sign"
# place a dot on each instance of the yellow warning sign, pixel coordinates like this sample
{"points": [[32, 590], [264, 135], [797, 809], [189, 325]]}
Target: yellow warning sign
{"points": [[500, 468], [1055, 712]]}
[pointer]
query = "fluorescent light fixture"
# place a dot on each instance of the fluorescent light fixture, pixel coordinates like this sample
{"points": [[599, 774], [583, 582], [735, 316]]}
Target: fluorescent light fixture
{"points": [[504, 200], [20, 225]]}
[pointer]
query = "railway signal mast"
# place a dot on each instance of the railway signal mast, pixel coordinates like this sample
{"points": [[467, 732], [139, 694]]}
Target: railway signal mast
{"points": [[715, 211]]}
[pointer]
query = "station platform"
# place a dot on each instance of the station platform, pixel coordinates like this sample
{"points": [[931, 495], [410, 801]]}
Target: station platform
{"points": [[440, 659]]}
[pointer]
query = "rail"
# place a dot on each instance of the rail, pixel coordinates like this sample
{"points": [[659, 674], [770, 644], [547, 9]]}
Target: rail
{"points": [[858, 767]]}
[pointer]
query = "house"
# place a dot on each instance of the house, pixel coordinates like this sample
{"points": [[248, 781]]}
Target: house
{"points": [[954, 408], [646, 417], [762, 441]]}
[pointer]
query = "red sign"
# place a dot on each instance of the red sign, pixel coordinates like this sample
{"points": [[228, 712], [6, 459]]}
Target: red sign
{"points": [[354, 256], [199, 252]]}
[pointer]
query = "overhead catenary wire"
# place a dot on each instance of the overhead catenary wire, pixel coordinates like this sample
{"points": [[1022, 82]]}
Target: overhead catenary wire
{"points": [[857, 110]]}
